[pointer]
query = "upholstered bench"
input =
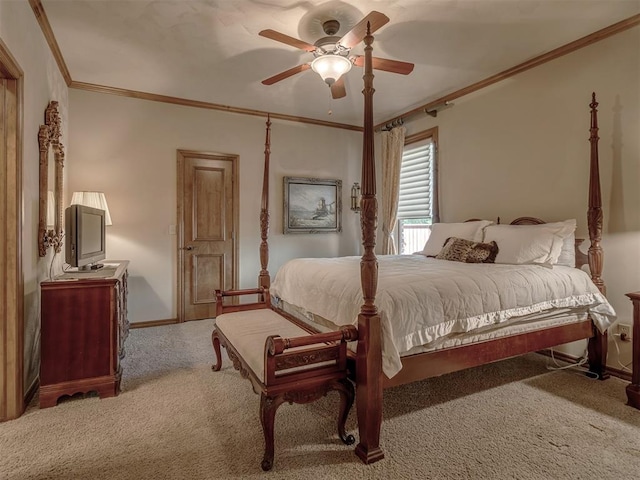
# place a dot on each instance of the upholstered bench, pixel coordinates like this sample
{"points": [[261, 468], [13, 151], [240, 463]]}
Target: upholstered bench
{"points": [[285, 361]]}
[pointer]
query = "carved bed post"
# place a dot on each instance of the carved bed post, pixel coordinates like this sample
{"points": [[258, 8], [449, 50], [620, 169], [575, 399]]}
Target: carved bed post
{"points": [[369, 353], [598, 343], [264, 280], [594, 217]]}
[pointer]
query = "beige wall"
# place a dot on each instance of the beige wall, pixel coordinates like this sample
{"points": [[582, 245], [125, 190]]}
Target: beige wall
{"points": [[127, 148], [43, 82], [520, 147], [517, 148], [533, 127]]}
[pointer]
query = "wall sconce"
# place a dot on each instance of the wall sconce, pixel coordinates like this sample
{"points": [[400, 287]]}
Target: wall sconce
{"points": [[95, 200], [355, 197]]}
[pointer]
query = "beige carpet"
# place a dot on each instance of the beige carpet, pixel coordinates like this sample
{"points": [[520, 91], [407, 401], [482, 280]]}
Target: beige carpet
{"points": [[177, 419]]}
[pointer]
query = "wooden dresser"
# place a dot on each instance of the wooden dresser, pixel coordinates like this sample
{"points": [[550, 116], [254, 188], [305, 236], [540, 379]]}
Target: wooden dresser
{"points": [[633, 389], [84, 326]]}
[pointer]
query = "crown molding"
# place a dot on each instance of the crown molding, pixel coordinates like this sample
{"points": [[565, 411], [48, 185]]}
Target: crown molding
{"points": [[91, 87], [45, 26], [522, 67], [585, 41]]}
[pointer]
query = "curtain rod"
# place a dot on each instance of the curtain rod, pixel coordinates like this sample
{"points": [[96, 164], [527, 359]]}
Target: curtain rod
{"points": [[431, 109], [396, 122]]}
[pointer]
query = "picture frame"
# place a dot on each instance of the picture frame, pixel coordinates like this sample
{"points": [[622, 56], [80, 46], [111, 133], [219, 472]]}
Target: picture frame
{"points": [[312, 205]]}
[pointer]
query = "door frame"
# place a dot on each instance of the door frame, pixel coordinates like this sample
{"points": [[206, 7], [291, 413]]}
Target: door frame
{"points": [[11, 274], [181, 158]]}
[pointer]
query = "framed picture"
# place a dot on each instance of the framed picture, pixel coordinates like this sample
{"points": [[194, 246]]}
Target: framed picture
{"points": [[312, 205]]}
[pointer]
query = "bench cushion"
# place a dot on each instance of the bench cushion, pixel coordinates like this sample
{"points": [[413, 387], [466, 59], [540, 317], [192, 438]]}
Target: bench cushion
{"points": [[248, 331]]}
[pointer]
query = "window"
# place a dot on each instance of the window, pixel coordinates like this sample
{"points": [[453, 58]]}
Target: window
{"points": [[417, 204]]}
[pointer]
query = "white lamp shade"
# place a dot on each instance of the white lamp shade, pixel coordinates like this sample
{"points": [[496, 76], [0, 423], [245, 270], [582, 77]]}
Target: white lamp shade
{"points": [[92, 199], [331, 67]]}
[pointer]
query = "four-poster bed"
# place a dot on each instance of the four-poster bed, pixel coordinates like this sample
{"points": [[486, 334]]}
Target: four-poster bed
{"points": [[369, 377]]}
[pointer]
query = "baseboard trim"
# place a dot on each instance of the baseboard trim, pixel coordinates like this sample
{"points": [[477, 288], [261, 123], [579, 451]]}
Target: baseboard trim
{"points": [[565, 357], [153, 323]]}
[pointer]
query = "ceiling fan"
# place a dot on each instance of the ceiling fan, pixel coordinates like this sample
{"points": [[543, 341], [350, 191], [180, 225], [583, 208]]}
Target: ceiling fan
{"points": [[332, 54]]}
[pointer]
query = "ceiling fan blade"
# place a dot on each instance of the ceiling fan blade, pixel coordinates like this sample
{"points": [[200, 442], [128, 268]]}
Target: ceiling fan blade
{"points": [[281, 37], [358, 32], [394, 66], [286, 74], [338, 89]]}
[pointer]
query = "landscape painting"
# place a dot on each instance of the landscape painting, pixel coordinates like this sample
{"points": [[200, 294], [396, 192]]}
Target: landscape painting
{"points": [[312, 205]]}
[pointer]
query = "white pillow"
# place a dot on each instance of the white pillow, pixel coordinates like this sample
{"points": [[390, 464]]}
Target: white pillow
{"points": [[440, 232], [568, 252], [525, 244]]}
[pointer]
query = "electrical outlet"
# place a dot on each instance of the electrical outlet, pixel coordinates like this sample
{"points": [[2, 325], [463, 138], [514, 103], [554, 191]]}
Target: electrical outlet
{"points": [[624, 330]]}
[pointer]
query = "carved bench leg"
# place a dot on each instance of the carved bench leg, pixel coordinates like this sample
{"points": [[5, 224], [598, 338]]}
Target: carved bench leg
{"points": [[215, 340], [347, 394], [268, 407]]}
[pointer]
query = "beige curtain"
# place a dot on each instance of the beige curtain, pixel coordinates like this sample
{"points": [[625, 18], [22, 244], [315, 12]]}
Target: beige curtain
{"points": [[392, 146]]}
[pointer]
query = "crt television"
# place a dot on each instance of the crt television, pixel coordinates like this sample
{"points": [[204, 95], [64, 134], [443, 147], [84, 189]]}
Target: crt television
{"points": [[85, 236]]}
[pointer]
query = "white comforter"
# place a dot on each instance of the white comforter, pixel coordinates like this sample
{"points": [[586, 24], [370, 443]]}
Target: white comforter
{"points": [[423, 299]]}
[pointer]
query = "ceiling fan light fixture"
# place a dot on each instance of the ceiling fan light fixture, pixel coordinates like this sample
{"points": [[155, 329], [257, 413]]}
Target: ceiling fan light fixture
{"points": [[331, 67]]}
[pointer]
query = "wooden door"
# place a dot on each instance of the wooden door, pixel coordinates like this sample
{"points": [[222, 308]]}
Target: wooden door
{"points": [[207, 226]]}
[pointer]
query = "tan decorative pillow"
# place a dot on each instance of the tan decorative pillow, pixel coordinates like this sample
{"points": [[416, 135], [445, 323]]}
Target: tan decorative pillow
{"points": [[461, 250]]}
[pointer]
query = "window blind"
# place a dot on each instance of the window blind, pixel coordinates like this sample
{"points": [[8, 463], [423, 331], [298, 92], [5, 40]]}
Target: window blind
{"points": [[416, 181]]}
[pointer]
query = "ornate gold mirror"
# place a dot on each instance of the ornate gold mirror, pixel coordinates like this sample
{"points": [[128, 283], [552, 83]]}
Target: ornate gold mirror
{"points": [[51, 165]]}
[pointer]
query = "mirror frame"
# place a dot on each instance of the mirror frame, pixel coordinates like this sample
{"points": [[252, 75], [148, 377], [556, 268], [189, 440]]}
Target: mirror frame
{"points": [[49, 136]]}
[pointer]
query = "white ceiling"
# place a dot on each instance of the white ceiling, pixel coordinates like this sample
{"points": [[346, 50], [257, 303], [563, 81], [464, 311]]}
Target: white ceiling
{"points": [[210, 50]]}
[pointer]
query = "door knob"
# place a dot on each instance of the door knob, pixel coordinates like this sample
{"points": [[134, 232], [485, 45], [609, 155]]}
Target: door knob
{"points": [[187, 248]]}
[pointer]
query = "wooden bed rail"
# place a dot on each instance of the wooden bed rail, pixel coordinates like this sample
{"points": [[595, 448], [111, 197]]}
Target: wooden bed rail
{"points": [[264, 301], [276, 345]]}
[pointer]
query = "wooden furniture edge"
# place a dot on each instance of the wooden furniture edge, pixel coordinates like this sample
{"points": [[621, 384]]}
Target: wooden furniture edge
{"points": [[369, 349], [598, 344], [414, 367], [106, 386], [633, 389], [264, 279], [293, 385], [102, 372]]}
